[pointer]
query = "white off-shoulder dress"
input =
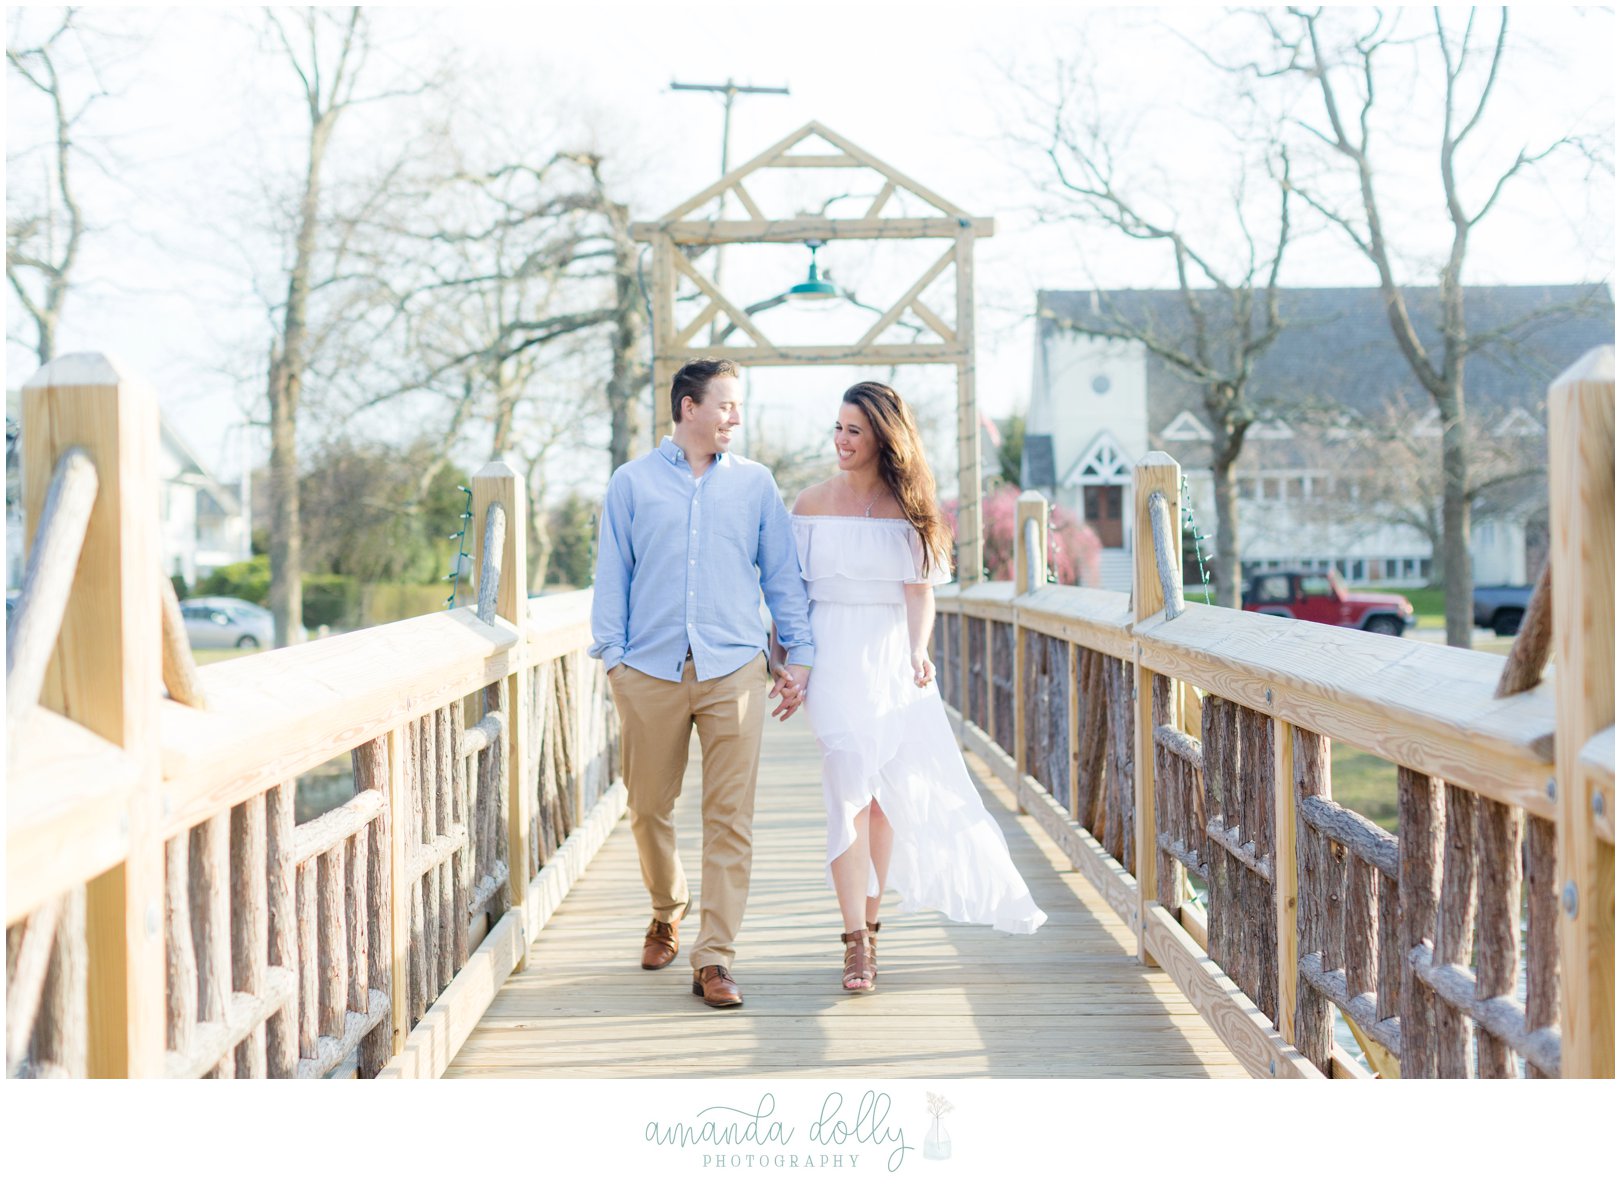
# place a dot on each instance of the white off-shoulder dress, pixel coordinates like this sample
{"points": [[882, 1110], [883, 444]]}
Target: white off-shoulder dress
{"points": [[882, 737]]}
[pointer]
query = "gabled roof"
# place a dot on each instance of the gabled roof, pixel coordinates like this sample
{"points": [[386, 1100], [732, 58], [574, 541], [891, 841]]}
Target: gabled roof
{"points": [[1519, 423], [1186, 427], [190, 464], [1337, 349], [780, 156], [191, 469], [1104, 461]]}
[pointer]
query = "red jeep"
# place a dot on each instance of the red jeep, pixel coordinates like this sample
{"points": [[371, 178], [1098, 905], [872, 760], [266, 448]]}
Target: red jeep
{"points": [[1322, 598]]}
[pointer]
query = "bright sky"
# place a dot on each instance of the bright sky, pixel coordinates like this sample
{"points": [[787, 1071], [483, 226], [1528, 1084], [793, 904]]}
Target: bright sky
{"points": [[204, 117]]}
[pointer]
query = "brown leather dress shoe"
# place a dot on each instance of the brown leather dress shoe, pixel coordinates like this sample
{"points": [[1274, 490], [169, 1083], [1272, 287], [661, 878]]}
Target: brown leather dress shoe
{"points": [[717, 987], [660, 946]]}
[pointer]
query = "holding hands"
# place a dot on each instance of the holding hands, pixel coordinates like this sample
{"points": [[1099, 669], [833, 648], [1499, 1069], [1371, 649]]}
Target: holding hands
{"points": [[790, 684]]}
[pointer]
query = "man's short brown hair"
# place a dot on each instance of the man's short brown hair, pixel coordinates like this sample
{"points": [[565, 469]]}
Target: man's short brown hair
{"points": [[693, 379]]}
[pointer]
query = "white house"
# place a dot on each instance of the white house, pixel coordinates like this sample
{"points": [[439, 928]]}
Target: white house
{"points": [[202, 525], [1099, 404]]}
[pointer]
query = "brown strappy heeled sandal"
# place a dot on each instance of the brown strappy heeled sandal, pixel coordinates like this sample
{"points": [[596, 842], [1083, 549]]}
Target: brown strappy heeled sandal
{"points": [[872, 952], [856, 960]]}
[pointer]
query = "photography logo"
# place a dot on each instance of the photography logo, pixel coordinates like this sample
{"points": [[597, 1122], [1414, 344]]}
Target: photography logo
{"points": [[837, 1132]]}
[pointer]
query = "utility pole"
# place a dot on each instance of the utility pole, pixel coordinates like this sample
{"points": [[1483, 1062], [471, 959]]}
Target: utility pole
{"points": [[731, 90]]}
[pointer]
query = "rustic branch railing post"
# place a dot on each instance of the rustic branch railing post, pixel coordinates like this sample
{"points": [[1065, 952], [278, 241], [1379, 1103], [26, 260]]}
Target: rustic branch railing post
{"points": [[33, 628], [1311, 778], [1072, 699], [105, 674], [1285, 874], [1581, 470], [179, 667], [498, 483], [989, 676], [399, 881], [964, 669], [1029, 573], [1155, 472], [1168, 568]]}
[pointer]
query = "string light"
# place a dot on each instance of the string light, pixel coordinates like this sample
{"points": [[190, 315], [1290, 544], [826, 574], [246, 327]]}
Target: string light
{"points": [[459, 536], [1193, 528]]}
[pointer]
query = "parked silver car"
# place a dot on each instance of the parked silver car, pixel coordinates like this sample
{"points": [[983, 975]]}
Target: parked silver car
{"points": [[221, 622]]}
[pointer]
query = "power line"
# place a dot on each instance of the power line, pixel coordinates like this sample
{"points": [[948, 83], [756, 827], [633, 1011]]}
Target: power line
{"points": [[731, 90]]}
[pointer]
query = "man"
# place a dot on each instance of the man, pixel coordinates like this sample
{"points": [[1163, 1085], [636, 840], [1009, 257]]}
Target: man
{"points": [[691, 536]]}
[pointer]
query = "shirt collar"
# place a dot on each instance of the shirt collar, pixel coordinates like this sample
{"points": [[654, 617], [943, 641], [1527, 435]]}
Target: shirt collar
{"points": [[675, 454]]}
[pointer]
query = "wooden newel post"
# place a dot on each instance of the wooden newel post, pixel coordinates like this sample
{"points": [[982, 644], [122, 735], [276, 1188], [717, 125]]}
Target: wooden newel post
{"points": [[496, 482], [105, 674], [1029, 573], [1581, 470], [1155, 472]]}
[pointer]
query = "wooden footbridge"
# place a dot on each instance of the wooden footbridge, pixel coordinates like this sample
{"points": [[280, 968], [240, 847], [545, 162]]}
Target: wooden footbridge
{"points": [[1161, 771], [952, 1000]]}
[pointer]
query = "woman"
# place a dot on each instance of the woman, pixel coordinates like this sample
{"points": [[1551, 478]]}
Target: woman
{"points": [[901, 808]]}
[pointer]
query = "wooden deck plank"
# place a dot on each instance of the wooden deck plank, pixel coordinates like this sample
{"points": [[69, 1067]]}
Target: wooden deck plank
{"points": [[952, 1000]]}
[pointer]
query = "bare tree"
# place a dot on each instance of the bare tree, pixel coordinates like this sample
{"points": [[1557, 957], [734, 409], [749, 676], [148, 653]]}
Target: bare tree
{"points": [[518, 266], [1342, 67], [1229, 314], [1386, 469], [43, 243], [631, 370], [516, 295], [794, 462], [328, 51]]}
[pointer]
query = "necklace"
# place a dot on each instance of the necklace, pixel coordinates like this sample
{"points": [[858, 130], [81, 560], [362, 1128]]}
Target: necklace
{"points": [[866, 513]]}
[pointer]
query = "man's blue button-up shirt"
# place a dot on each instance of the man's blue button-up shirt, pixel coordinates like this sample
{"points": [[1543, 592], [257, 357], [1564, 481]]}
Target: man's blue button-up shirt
{"points": [[682, 562]]}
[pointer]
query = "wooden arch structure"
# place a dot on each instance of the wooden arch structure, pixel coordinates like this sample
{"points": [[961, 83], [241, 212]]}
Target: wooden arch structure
{"points": [[678, 240]]}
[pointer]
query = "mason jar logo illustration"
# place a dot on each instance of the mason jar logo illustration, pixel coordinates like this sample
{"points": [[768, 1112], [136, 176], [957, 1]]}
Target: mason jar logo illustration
{"points": [[937, 1144]]}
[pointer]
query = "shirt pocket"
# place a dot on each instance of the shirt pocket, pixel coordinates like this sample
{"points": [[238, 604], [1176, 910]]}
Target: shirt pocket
{"points": [[736, 528]]}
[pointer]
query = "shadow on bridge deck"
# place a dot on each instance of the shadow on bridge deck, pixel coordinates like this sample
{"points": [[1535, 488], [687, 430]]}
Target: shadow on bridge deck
{"points": [[952, 1000]]}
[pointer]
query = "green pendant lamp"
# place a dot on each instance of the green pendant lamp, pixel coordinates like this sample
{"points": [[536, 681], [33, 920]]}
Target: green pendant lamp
{"points": [[813, 291]]}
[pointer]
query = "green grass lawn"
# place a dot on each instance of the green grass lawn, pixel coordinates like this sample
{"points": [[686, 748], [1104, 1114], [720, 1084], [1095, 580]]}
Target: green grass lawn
{"points": [[207, 656], [1429, 603], [1365, 784], [1498, 644]]}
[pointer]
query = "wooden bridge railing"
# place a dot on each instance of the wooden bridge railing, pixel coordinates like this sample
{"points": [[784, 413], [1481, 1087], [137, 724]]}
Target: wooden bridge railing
{"points": [[166, 916], [1174, 750]]}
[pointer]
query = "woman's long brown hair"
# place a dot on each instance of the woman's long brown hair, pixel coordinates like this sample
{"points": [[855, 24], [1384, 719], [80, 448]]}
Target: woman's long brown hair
{"points": [[902, 467]]}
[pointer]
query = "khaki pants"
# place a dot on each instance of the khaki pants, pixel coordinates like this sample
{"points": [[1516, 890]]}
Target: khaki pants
{"points": [[658, 718]]}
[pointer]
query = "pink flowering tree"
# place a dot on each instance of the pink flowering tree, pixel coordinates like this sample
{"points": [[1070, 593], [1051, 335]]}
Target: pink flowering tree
{"points": [[1073, 549]]}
